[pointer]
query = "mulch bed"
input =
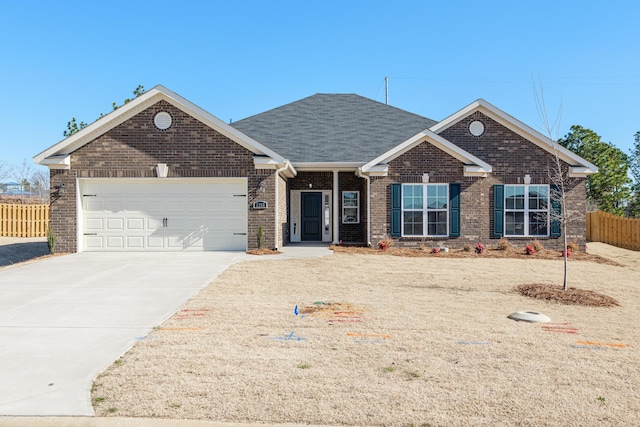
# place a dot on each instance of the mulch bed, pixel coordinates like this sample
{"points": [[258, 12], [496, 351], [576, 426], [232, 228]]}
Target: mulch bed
{"points": [[572, 296], [461, 253]]}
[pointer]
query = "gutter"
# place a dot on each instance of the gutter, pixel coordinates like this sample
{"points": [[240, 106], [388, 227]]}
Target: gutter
{"points": [[284, 167], [359, 174]]}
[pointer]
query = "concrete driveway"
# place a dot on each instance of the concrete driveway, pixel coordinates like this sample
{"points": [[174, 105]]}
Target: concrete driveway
{"points": [[64, 319]]}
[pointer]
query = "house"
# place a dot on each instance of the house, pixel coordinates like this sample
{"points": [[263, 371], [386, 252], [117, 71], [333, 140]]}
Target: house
{"points": [[162, 174]]}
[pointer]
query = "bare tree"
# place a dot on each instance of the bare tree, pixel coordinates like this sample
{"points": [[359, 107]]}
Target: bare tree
{"points": [[40, 183], [558, 175], [22, 174], [5, 171]]}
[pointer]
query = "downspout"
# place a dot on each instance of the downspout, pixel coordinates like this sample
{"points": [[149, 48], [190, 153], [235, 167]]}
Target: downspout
{"points": [[359, 174], [285, 165]]}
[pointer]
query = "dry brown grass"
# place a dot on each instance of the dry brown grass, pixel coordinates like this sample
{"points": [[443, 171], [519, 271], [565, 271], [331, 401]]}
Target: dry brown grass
{"points": [[397, 341]]}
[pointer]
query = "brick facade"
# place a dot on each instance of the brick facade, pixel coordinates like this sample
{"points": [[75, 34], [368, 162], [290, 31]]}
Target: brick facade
{"points": [[133, 149], [511, 156], [192, 149]]}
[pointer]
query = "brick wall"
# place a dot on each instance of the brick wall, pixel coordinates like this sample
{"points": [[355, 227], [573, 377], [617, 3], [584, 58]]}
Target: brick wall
{"points": [[511, 157], [352, 233], [133, 149]]}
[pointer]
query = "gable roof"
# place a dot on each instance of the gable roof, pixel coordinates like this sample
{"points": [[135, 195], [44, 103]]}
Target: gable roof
{"points": [[473, 166], [333, 128], [579, 167], [57, 156]]}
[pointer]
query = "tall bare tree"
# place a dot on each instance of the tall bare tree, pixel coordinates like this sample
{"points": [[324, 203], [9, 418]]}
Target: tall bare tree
{"points": [[40, 183], [22, 174], [558, 175]]}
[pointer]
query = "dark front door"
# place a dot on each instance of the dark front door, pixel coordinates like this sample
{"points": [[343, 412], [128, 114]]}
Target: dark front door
{"points": [[311, 216]]}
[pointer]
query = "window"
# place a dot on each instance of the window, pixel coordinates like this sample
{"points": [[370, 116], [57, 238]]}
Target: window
{"points": [[526, 210], [425, 209], [350, 207]]}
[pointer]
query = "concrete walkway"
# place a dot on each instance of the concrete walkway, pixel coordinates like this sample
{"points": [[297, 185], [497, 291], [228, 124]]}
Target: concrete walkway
{"points": [[65, 319]]}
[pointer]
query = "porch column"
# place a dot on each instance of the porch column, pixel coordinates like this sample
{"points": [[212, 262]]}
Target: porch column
{"points": [[336, 210]]}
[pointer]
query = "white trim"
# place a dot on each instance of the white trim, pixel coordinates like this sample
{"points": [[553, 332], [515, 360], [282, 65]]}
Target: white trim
{"points": [[579, 166], [263, 162], [336, 211], [295, 205], [479, 167], [526, 211], [357, 206], [327, 166], [425, 209], [57, 162], [130, 109]]}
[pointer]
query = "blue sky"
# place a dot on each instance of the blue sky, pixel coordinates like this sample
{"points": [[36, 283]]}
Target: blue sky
{"points": [[238, 58]]}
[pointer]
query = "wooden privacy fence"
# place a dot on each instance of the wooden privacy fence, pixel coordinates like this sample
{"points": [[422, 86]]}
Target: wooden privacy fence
{"points": [[613, 230], [24, 220]]}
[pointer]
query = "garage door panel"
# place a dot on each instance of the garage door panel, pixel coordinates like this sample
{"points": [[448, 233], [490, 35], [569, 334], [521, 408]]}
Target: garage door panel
{"points": [[135, 242], [115, 224], [128, 214], [115, 242], [94, 224], [135, 223]]}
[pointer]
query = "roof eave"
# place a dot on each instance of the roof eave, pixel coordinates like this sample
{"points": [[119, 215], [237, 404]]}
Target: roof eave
{"points": [[427, 135], [327, 166], [130, 109], [516, 126]]}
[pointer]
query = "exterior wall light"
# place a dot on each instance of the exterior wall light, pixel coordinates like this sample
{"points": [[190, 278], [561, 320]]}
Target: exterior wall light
{"points": [[60, 188], [261, 185]]}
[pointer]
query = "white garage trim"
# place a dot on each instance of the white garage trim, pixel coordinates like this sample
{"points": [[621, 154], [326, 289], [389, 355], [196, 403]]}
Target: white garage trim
{"points": [[173, 214]]}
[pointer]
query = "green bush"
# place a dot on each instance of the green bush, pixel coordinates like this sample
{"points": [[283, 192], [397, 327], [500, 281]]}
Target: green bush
{"points": [[260, 237], [51, 240]]}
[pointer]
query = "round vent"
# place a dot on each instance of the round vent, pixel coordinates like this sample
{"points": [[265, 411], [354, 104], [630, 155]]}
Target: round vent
{"points": [[476, 128], [162, 120]]}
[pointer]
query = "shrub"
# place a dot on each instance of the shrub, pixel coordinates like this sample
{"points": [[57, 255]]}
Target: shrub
{"points": [[467, 248], [260, 237], [504, 245], [480, 248], [537, 245], [435, 250], [568, 252], [51, 240], [385, 243], [529, 250], [573, 247]]}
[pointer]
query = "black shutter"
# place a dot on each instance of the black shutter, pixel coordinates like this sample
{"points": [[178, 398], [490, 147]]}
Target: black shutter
{"points": [[396, 210], [454, 210], [498, 210]]}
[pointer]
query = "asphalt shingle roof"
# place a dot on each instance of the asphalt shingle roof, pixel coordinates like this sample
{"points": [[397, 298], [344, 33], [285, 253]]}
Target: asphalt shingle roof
{"points": [[333, 128]]}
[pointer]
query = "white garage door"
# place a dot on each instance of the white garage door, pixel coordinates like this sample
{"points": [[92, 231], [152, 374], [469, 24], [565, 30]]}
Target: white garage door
{"points": [[163, 214]]}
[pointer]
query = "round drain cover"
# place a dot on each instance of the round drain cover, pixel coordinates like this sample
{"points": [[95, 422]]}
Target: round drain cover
{"points": [[529, 316]]}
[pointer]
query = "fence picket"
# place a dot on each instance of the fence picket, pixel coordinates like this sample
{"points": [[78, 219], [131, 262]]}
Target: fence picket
{"points": [[23, 220], [613, 230]]}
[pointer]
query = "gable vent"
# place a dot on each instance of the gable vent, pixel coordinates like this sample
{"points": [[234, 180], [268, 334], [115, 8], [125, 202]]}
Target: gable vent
{"points": [[162, 120]]}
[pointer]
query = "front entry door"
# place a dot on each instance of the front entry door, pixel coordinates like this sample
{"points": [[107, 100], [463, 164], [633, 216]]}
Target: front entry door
{"points": [[311, 216]]}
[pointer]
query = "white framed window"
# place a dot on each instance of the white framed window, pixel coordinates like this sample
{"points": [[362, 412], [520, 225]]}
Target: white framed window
{"points": [[526, 210], [350, 207], [425, 209]]}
